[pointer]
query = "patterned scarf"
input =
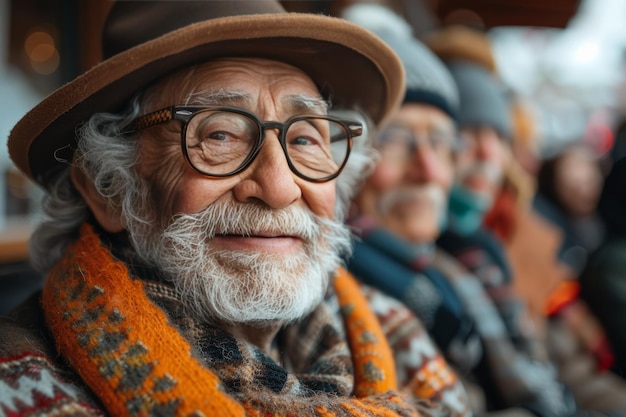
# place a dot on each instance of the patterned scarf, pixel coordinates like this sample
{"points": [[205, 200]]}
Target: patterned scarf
{"points": [[402, 270], [481, 253], [114, 332], [484, 257], [508, 375]]}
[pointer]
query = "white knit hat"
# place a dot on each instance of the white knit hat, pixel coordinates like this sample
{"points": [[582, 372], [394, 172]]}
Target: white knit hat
{"points": [[427, 78]]}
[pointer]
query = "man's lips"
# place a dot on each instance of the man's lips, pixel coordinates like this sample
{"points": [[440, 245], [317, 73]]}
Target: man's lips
{"points": [[259, 242]]}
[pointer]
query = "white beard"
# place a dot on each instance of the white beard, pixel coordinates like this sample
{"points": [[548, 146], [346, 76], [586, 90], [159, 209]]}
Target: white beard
{"points": [[434, 194], [243, 286]]}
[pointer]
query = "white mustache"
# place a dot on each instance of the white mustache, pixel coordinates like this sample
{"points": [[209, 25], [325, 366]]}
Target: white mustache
{"points": [[227, 218], [491, 172], [431, 193]]}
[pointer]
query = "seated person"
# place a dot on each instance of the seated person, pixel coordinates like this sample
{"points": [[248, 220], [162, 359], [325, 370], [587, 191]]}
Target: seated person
{"points": [[192, 251], [397, 216]]}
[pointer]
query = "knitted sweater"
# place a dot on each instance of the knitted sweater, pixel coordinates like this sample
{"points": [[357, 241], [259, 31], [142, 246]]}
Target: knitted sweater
{"points": [[100, 342]]}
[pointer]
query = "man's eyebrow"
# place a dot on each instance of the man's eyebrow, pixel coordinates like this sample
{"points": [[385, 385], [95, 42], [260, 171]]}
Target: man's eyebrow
{"points": [[304, 103], [219, 98], [295, 103]]}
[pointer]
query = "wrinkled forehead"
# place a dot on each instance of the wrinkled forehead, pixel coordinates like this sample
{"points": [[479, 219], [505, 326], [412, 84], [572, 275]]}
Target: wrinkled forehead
{"points": [[424, 117], [236, 82]]}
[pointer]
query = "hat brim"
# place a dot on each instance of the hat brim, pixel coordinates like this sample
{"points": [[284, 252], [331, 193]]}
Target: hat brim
{"points": [[347, 62]]}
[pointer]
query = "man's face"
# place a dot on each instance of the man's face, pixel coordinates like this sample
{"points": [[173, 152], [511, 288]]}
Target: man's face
{"points": [[578, 181], [481, 160], [407, 192], [272, 91], [256, 246]]}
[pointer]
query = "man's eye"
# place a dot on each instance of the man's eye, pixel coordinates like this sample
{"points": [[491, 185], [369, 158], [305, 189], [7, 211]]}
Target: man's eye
{"points": [[220, 136], [300, 140]]}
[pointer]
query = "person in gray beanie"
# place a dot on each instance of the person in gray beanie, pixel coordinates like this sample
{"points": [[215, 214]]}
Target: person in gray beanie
{"points": [[484, 178], [425, 122], [485, 126], [396, 218], [403, 200], [482, 98]]}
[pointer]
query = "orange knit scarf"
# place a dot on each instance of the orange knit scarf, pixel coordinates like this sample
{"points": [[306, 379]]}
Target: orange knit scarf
{"points": [[125, 349]]}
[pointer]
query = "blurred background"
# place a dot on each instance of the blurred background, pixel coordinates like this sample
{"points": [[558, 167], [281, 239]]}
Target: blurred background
{"points": [[564, 60]]}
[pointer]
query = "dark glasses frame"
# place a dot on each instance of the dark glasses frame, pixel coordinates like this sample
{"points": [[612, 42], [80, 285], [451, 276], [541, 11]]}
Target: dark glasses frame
{"points": [[184, 114]]}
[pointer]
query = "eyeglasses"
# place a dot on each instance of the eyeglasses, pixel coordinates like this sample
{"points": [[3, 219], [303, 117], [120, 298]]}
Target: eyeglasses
{"points": [[405, 141], [223, 141]]}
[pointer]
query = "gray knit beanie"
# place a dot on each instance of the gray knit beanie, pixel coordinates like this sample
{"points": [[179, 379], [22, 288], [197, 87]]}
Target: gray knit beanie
{"points": [[427, 78], [483, 101]]}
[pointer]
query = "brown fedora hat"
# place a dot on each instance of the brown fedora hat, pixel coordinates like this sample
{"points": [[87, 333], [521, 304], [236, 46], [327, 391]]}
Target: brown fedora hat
{"points": [[145, 40]]}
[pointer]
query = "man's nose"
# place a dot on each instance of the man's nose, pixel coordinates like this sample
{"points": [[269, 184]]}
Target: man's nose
{"points": [[424, 165], [269, 179], [483, 150]]}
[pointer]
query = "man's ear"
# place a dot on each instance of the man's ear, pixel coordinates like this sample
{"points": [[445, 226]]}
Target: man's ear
{"points": [[106, 215]]}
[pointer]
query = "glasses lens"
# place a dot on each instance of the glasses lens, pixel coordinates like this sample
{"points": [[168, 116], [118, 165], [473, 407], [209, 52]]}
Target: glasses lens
{"points": [[395, 143], [317, 147], [218, 142], [402, 142]]}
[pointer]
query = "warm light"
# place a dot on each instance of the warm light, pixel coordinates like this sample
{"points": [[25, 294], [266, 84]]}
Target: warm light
{"points": [[42, 52], [35, 40]]}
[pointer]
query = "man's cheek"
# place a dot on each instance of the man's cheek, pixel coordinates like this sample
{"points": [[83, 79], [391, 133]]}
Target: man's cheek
{"points": [[385, 175]]}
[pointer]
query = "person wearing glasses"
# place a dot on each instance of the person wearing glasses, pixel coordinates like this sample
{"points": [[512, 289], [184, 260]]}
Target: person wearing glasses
{"points": [[194, 237], [398, 215]]}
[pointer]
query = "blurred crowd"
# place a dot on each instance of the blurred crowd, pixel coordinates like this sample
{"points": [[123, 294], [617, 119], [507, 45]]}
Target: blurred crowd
{"points": [[477, 251], [508, 260]]}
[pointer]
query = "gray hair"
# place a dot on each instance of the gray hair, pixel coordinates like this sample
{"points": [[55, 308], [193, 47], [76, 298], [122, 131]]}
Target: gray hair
{"points": [[107, 154], [362, 161]]}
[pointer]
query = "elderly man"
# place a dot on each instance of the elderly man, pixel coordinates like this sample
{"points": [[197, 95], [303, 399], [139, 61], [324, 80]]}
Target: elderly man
{"points": [[405, 196], [193, 243], [397, 216]]}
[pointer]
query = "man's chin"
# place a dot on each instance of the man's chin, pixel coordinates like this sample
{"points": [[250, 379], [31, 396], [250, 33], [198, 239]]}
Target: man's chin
{"points": [[420, 225], [260, 298], [277, 319]]}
